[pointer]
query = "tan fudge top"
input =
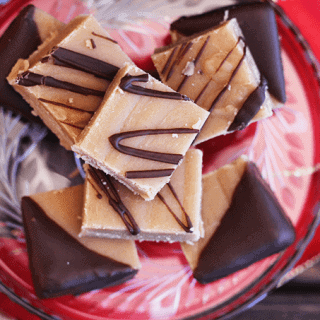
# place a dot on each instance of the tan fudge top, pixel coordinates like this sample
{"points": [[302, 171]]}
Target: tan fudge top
{"points": [[122, 112]]}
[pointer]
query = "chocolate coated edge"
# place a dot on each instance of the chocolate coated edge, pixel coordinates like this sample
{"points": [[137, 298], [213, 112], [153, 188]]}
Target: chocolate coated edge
{"points": [[245, 236], [19, 40], [107, 272], [250, 107], [251, 17]]}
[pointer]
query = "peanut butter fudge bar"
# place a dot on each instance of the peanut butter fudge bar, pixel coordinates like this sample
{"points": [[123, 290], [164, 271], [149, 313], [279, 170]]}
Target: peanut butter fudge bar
{"points": [[66, 80], [217, 71], [24, 35], [258, 24], [62, 263], [243, 222], [111, 210], [141, 131]]}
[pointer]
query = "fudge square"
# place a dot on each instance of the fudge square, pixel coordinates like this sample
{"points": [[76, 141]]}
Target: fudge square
{"points": [[66, 79], [258, 23], [173, 215], [243, 222], [157, 126], [62, 263], [216, 70]]}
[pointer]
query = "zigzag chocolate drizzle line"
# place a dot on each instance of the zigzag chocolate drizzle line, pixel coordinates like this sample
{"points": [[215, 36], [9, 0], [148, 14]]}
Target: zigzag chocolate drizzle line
{"points": [[126, 85], [195, 62], [183, 50], [189, 226], [202, 92], [78, 61], [99, 195], [145, 154], [167, 64], [234, 72], [201, 50], [221, 64], [29, 79], [105, 184]]}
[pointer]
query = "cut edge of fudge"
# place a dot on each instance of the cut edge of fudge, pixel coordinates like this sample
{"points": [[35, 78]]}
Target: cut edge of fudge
{"points": [[112, 211], [148, 181], [60, 262], [239, 238]]}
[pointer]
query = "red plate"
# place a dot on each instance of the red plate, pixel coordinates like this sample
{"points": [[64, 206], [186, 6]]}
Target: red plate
{"points": [[286, 147]]}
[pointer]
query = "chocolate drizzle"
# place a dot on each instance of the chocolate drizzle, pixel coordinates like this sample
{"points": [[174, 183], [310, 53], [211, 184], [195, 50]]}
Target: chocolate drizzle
{"points": [[234, 72], [167, 64], [78, 61], [145, 154], [126, 85], [201, 50], [105, 184], [184, 48], [188, 227], [250, 107], [29, 79], [195, 62], [219, 67], [99, 195], [103, 37], [93, 44], [202, 92], [182, 52], [145, 174]]}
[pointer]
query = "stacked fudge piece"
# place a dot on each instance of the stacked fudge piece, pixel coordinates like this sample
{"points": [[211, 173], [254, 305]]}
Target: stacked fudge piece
{"points": [[218, 72], [143, 181], [26, 33]]}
